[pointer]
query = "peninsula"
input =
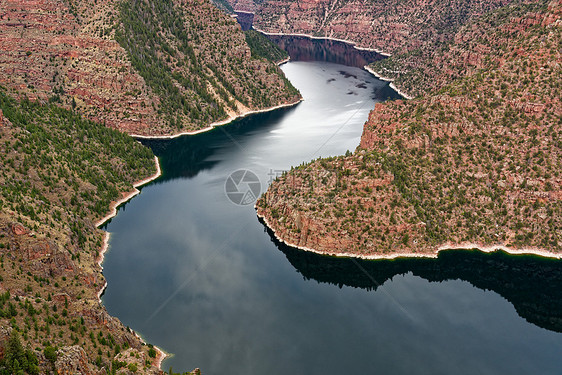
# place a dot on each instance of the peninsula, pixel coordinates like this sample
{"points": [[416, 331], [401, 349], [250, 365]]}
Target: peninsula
{"points": [[474, 161]]}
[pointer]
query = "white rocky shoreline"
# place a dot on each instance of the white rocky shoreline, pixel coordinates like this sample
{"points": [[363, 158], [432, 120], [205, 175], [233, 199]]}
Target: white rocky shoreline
{"points": [[113, 212], [353, 44], [445, 247], [392, 85], [128, 196], [222, 122]]}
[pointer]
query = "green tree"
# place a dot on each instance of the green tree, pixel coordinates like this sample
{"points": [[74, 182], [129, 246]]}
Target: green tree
{"points": [[18, 360]]}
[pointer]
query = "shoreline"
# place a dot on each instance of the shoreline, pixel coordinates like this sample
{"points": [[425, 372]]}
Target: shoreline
{"points": [[461, 246], [350, 42], [242, 11], [392, 85], [113, 212], [219, 123], [353, 44], [114, 205], [284, 61], [99, 261], [161, 354]]}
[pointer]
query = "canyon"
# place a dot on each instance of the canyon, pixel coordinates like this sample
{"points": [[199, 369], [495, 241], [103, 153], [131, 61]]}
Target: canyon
{"points": [[473, 160]]}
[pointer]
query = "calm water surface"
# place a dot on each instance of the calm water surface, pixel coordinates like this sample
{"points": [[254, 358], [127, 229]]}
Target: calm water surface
{"points": [[201, 278]]}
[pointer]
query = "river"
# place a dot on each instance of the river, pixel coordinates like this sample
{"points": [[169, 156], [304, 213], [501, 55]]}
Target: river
{"points": [[200, 276]]}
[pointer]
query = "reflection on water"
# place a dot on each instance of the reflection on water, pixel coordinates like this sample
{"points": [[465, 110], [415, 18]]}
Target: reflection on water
{"points": [[245, 19], [530, 283], [302, 48]]}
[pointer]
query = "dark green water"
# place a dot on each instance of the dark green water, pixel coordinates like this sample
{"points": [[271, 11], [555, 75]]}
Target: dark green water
{"points": [[201, 277]]}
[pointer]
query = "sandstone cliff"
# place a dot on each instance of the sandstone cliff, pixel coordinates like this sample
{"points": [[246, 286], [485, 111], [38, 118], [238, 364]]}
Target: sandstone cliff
{"points": [[49, 52], [390, 26]]}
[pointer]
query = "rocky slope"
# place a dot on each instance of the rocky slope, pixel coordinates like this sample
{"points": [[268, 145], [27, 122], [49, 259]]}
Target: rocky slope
{"points": [[261, 46], [393, 26], [59, 174], [65, 51], [410, 32], [196, 59], [50, 50], [479, 45], [477, 161]]}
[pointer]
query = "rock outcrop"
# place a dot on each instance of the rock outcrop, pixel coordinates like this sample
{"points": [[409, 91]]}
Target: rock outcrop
{"points": [[467, 49], [72, 360]]}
